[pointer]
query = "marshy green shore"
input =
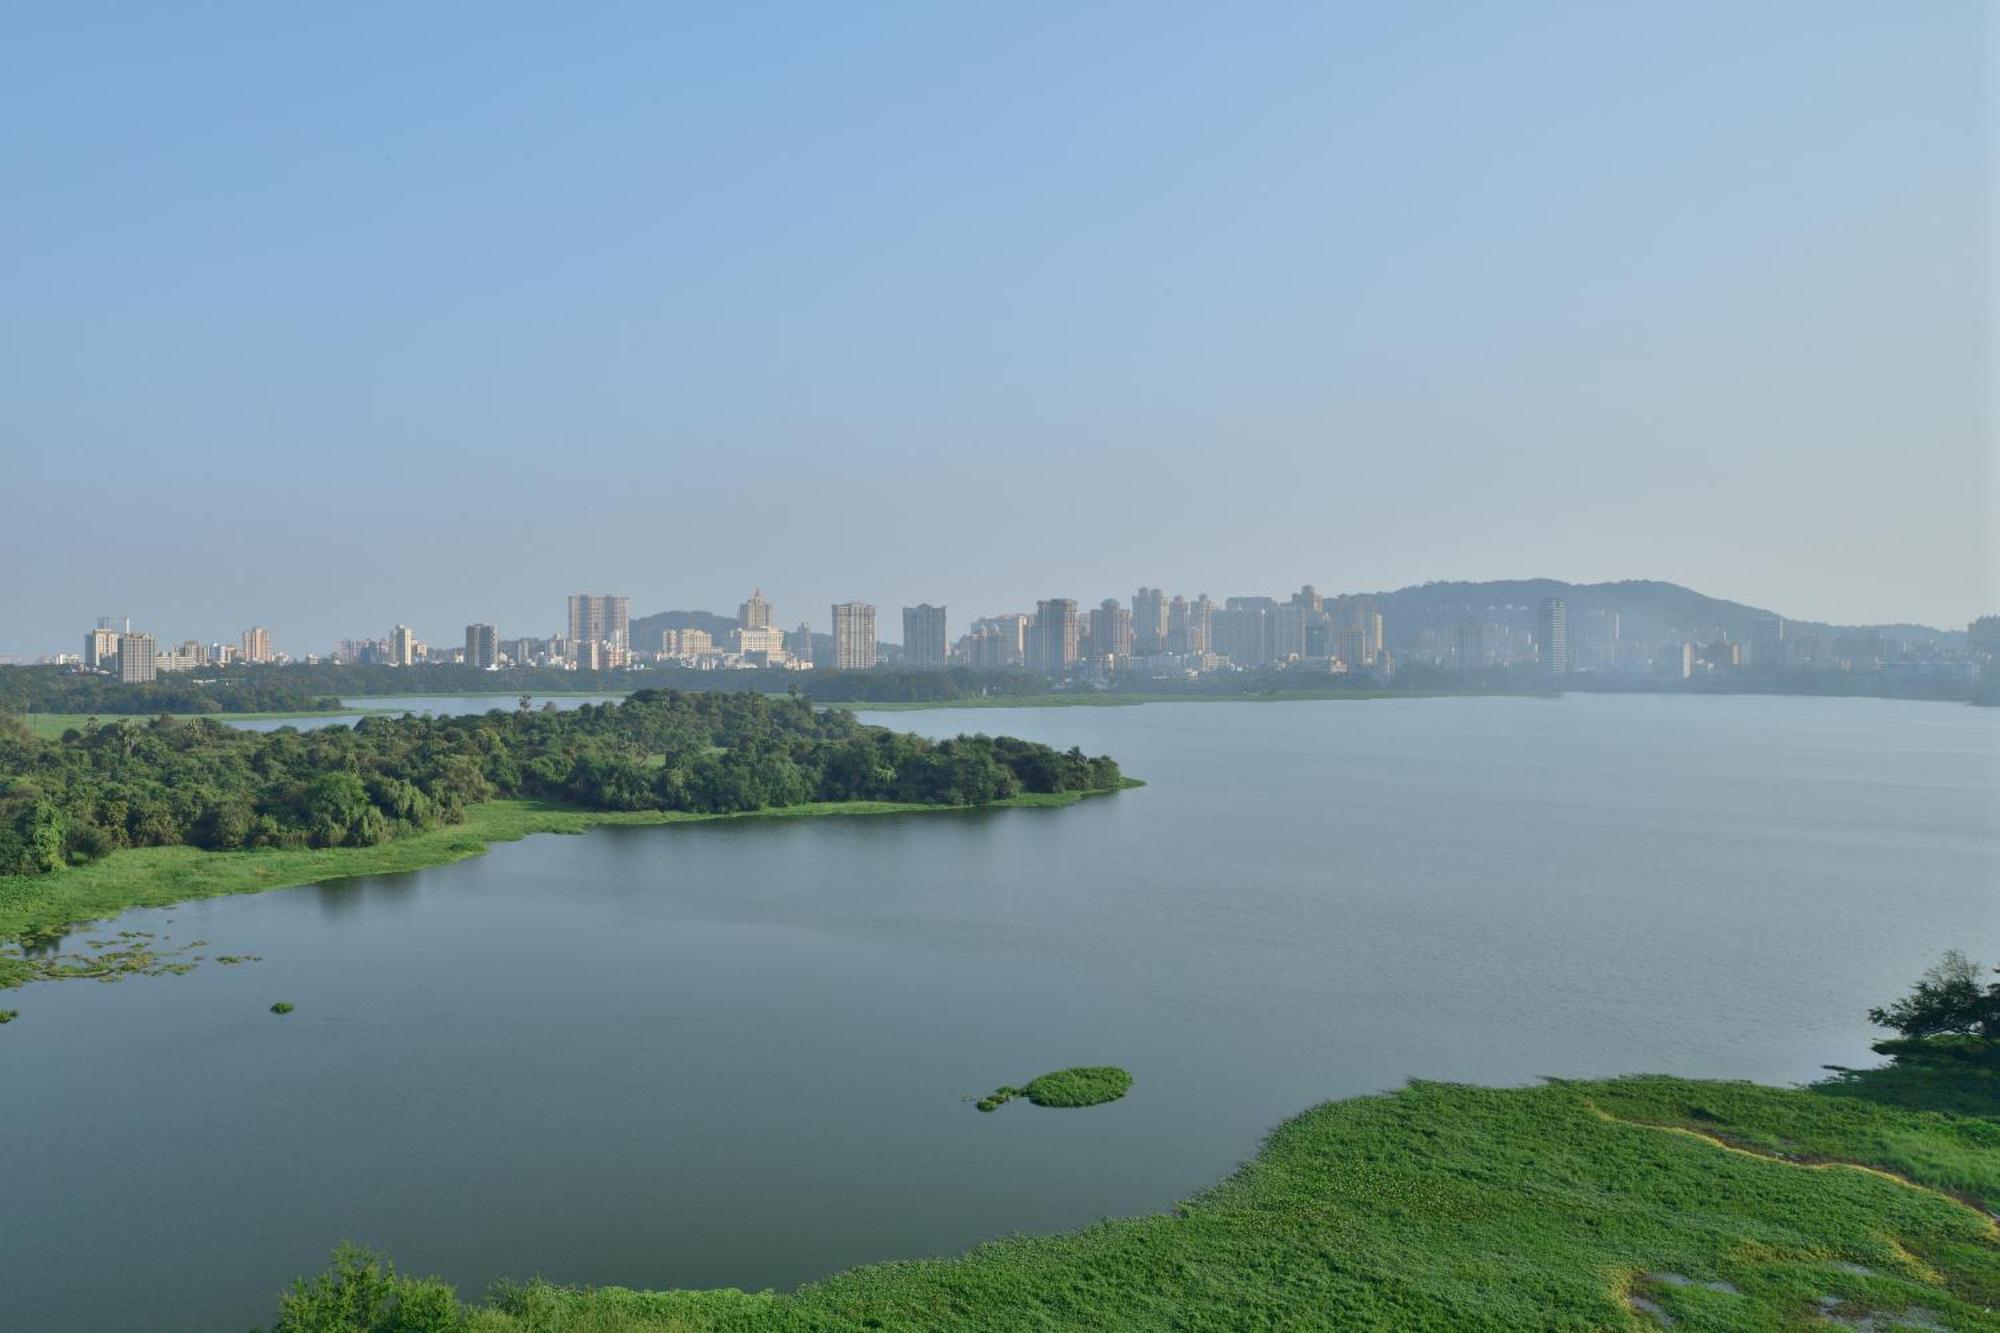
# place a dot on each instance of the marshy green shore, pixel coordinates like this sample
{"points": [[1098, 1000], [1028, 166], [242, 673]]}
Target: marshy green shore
{"points": [[1636, 1203]]}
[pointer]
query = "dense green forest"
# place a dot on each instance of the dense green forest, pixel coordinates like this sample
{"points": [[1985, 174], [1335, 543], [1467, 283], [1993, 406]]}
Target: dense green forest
{"points": [[47, 689], [193, 781]]}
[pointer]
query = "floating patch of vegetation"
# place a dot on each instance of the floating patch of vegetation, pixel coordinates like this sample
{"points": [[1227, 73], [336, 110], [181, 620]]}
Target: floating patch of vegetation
{"points": [[9, 1015], [130, 953], [282, 1007], [1084, 1085], [998, 1098]]}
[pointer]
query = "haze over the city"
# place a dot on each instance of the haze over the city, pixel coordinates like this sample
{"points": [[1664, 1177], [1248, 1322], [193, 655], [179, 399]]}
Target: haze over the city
{"points": [[308, 328]]}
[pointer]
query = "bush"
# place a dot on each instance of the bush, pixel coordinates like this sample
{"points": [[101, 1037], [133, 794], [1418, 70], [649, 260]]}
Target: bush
{"points": [[361, 1293]]}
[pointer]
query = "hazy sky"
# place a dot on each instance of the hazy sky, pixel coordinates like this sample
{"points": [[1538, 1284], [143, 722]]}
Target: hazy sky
{"points": [[328, 318]]}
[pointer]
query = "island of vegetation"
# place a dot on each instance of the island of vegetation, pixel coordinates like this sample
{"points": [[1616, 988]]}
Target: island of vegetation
{"points": [[1084, 1085], [1862, 1202], [146, 813]]}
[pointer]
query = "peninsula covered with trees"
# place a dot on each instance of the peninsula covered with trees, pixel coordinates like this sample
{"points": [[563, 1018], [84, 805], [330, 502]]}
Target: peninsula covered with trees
{"points": [[170, 782]]}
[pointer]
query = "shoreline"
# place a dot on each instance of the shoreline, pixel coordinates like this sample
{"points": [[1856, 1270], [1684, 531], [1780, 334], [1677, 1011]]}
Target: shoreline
{"points": [[163, 876], [1445, 1206]]}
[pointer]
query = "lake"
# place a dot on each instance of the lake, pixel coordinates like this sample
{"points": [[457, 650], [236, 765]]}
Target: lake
{"points": [[740, 1053]]}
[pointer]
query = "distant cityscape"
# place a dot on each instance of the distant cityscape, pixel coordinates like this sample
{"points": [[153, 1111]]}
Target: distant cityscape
{"points": [[1154, 636]]}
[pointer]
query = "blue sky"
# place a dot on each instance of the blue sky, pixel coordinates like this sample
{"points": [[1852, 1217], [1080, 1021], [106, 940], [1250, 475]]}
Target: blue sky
{"points": [[334, 318]]}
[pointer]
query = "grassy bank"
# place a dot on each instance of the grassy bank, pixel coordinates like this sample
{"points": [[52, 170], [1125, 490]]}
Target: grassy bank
{"points": [[157, 876], [1618, 1204]]}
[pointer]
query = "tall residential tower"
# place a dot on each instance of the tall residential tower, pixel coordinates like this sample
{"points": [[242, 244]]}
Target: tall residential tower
{"points": [[924, 636], [853, 636]]}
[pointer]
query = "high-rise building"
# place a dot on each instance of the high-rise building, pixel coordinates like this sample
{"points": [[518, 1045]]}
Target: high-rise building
{"points": [[999, 642], [686, 642], [1053, 637], [1190, 626], [799, 644], [1288, 630], [1150, 620], [924, 638], [135, 659], [1111, 630], [100, 646], [765, 646], [256, 644], [601, 618], [853, 636], [1241, 633], [754, 613], [1360, 616], [1245, 630], [1553, 640], [402, 646], [1308, 597], [482, 647]]}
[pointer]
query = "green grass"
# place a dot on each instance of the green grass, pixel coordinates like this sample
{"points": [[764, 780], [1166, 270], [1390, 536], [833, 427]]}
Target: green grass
{"points": [[158, 876], [1577, 1205]]}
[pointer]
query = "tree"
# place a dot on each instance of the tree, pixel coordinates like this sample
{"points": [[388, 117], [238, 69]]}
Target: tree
{"points": [[1947, 1000]]}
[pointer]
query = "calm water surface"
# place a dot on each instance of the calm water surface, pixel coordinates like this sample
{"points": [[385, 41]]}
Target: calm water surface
{"points": [[738, 1054]]}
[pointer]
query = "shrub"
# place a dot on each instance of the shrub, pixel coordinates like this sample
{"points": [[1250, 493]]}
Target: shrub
{"points": [[361, 1293]]}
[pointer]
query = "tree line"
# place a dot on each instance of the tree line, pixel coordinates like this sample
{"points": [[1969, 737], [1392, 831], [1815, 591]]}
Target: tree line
{"points": [[47, 689], [194, 781]]}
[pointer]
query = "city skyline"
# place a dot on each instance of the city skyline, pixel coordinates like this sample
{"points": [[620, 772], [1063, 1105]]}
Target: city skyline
{"points": [[1518, 620]]}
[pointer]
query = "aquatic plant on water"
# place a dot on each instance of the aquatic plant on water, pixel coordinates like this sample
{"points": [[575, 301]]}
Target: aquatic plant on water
{"points": [[1083, 1085]]}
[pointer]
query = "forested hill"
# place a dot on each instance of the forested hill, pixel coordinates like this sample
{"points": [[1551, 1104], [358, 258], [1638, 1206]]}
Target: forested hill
{"points": [[644, 632], [169, 781], [1648, 610]]}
